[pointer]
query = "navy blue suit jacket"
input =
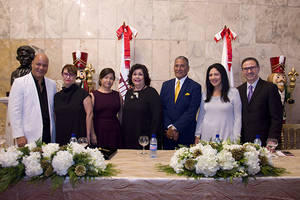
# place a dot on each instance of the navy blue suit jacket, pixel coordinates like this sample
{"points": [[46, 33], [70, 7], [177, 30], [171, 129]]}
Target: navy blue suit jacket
{"points": [[181, 114]]}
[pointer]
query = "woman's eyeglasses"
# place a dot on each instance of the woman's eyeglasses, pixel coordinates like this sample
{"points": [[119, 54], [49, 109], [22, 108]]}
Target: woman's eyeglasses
{"points": [[68, 74]]}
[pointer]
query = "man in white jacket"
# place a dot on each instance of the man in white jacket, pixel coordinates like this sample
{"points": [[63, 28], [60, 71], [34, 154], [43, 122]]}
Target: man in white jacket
{"points": [[30, 106]]}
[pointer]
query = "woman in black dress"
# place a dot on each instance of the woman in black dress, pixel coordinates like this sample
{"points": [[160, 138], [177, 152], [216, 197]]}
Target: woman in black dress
{"points": [[142, 109], [73, 109]]}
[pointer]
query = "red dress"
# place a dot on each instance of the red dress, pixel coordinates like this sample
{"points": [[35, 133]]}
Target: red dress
{"points": [[106, 123]]}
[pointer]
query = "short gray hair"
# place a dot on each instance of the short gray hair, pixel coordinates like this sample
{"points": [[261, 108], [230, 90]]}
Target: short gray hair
{"points": [[183, 58]]}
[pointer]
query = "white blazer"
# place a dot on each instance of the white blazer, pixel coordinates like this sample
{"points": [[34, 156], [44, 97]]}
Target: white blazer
{"points": [[24, 108]]}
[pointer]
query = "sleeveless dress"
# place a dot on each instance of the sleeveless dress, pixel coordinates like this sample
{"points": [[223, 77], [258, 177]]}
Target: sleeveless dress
{"points": [[106, 123]]}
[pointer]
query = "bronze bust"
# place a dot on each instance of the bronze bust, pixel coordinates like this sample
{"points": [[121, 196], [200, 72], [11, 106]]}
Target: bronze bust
{"points": [[25, 55]]}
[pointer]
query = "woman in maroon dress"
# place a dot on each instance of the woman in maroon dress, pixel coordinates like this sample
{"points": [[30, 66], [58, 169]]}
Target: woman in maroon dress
{"points": [[107, 105]]}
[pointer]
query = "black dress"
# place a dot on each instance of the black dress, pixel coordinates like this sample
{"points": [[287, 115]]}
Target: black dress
{"points": [[70, 115], [141, 116], [106, 124]]}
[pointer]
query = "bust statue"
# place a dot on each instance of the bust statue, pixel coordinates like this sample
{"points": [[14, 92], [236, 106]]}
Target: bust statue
{"points": [[25, 55]]}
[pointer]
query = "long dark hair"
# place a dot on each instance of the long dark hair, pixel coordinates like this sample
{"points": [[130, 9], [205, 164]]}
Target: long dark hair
{"points": [[224, 82]]}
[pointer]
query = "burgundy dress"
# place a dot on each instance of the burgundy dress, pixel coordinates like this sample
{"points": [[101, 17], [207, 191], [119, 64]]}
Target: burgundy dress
{"points": [[106, 123]]}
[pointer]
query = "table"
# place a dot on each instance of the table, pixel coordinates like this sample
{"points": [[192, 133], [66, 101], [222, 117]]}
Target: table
{"points": [[139, 179]]}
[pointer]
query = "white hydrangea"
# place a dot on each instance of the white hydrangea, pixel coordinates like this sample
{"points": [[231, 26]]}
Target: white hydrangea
{"points": [[31, 145], [266, 153], [252, 162], [32, 164], [249, 147], [61, 162], [9, 158], [209, 151], [178, 159], [195, 148], [97, 159], [177, 164], [76, 148], [49, 149], [232, 146], [226, 161], [207, 165]]}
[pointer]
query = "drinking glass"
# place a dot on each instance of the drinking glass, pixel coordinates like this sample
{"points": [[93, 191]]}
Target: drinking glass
{"points": [[272, 144], [144, 141], [83, 141]]}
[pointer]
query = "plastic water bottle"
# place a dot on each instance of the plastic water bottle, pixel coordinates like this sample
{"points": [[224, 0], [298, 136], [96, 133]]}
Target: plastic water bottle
{"points": [[257, 140], [73, 138], [217, 139], [153, 146]]}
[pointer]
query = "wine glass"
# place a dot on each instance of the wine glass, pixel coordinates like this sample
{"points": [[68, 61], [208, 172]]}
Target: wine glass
{"points": [[83, 141], [144, 141], [272, 143]]}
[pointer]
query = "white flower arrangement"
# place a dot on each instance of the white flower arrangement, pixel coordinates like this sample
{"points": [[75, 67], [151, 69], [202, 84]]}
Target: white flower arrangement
{"points": [[32, 164], [31, 146], [10, 157], [226, 161], [222, 160], [252, 162], [97, 160], [178, 159], [61, 162], [207, 165], [41, 161], [49, 149], [76, 148]]}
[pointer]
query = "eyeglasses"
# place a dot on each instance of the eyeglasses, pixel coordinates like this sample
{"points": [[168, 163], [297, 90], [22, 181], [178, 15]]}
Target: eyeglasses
{"points": [[245, 69], [68, 75]]}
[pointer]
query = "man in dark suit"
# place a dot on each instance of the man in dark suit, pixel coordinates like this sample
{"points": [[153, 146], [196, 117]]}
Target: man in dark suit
{"points": [[261, 105], [180, 99]]}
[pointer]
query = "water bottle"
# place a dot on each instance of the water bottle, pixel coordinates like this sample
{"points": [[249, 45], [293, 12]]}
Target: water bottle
{"points": [[217, 139], [257, 140], [153, 146], [73, 138]]}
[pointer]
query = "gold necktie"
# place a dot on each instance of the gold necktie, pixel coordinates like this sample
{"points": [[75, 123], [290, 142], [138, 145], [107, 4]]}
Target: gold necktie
{"points": [[177, 89]]}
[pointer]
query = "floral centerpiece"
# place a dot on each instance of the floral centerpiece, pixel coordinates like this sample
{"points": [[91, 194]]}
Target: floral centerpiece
{"points": [[42, 161], [222, 160]]}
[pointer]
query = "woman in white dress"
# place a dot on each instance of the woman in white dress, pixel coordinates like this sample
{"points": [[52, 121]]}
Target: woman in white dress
{"points": [[220, 109]]}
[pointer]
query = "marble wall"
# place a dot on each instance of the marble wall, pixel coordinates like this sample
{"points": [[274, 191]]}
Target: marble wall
{"points": [[167, 29]]}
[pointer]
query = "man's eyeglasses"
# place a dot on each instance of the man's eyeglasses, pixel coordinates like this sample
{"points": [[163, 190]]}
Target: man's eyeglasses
{"points": [[69, 75], [245, 69]]}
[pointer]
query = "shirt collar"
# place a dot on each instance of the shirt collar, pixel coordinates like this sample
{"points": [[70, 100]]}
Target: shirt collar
{"points": [[181, 80], [36, 81], [253, 84]]}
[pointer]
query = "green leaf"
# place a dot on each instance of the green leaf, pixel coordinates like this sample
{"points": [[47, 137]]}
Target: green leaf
{"points": [[272, 171], [57, 181], [10, 176]]}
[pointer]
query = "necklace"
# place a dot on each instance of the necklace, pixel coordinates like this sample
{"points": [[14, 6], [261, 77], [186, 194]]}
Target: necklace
{"points": [[135, 93]]}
